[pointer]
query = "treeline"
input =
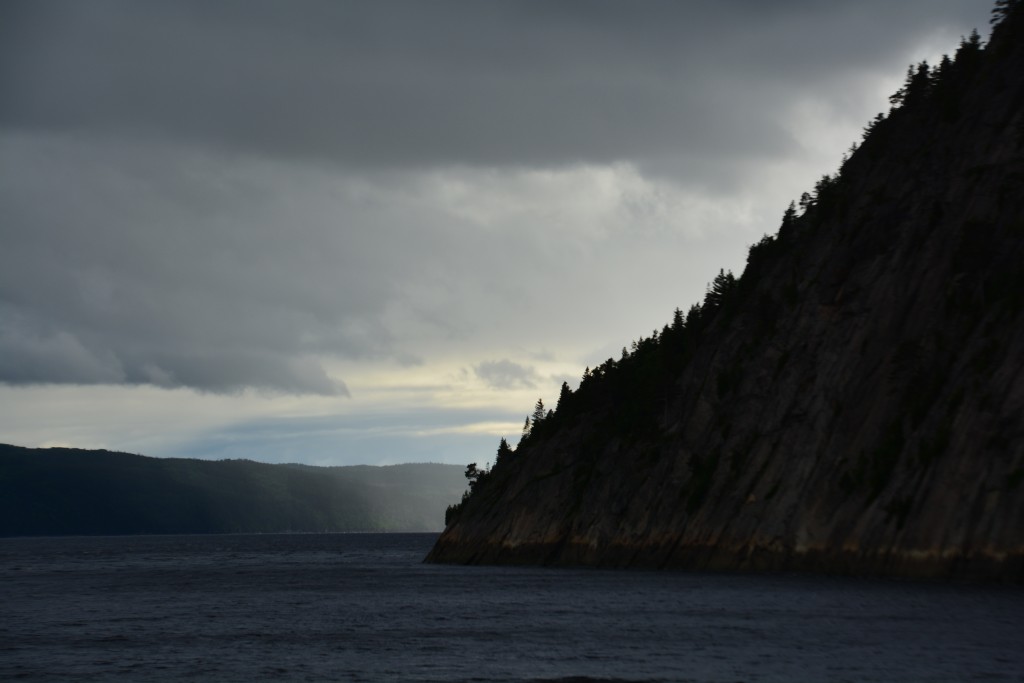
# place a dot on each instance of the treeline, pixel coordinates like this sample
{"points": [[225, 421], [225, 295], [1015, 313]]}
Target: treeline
{"points": [[638, 384], [62, 491], [634, 389]]}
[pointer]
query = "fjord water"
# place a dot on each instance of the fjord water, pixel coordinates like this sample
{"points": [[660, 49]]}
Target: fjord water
{"points": [[363, 607]]}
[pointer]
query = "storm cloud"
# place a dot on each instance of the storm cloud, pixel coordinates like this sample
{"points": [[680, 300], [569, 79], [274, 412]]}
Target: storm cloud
{"points": [[229, 195], [420, 84]]}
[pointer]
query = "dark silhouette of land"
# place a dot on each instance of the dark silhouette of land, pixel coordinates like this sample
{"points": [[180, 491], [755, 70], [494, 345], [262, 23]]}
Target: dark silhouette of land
{"points": [[854, 402], [64, 491]]}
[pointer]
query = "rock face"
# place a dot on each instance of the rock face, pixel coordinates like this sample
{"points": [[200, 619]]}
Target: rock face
{"points": [[853, 404]]}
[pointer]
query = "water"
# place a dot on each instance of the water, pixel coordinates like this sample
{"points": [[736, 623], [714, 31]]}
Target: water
{"points": [[363, 608]]}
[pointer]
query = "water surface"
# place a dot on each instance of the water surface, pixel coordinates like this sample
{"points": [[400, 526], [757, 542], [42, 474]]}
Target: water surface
{"points": [[362, 607]]}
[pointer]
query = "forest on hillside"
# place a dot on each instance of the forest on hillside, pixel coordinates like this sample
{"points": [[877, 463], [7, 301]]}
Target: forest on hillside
{"points": [[637, 383], [851, 402], [63, 491]]}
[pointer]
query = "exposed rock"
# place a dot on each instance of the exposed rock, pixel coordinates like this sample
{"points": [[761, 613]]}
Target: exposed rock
{"points": [[855, 406]]}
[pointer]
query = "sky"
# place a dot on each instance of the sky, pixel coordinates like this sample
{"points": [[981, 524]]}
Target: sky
{"points": [[377, 232]]}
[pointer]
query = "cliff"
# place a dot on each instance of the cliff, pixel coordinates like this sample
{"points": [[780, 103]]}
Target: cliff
{"points": [[854, 403]]}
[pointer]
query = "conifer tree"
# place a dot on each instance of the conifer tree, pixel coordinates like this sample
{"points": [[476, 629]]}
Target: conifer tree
{"points": [[872, 124], [677, 320], [719, 290], [538, 414], [969, 46], [941, 71], [1002, 10], [693, 317], [473, 474], [919, 84], [504, 451], [789, 215], [563, 396]]}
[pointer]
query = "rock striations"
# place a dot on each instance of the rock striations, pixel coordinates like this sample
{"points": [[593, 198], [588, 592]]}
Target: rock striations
{"points": [[854, 403]]}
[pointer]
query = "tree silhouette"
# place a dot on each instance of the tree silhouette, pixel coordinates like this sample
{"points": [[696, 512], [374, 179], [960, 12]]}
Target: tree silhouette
{"points": [[719, 290], [678, 322], [915, 88], [788, 218], [1002, 9], [539, 413], [504, 451], [693, 317], [473, 474], [563, 396]]}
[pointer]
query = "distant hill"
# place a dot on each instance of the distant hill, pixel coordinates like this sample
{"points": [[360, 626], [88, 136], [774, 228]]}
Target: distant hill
{"points": [[65, 491], [854, 403]]}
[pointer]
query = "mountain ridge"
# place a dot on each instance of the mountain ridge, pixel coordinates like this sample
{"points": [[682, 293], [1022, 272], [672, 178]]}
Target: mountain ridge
{"points": [[66, 491]]}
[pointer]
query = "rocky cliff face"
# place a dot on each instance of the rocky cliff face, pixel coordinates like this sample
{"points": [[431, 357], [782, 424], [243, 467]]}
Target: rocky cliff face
{"points": [[855, 404]]}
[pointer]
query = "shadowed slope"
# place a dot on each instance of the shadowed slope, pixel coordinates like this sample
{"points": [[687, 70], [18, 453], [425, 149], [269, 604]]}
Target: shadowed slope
{"points": [[67, 491], [853, 403]]}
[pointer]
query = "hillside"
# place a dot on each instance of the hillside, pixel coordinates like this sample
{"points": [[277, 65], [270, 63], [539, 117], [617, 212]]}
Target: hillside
{"points": [[854, 403], [63, 491]]}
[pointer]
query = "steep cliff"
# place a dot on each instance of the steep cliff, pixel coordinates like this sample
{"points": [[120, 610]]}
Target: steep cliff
{"points": [[854, 403]]}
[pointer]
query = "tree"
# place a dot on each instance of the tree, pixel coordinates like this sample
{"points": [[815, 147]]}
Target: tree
{"points": [[1002, 10], [900, 96], [473, 474], [563, 396], [538, 414], [824, 190], [824, 186], [919, 84], [677, 320], [693, 317], [504, 451], [873, 124], [785, 229], [941, 71], [968, 51], [789, 216], [719, 290]]}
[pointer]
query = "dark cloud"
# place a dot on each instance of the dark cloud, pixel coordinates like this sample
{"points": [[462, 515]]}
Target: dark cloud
{"points": [[29, 355], [231, 194], [413, 83], [148, 266]]}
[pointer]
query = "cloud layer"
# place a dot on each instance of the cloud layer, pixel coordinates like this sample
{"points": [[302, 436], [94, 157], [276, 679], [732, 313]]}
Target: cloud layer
{"points": [[230, 195], [402, 84]]}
